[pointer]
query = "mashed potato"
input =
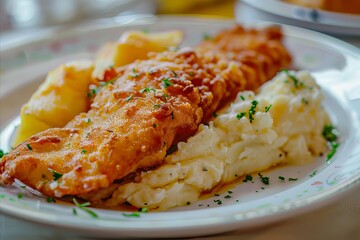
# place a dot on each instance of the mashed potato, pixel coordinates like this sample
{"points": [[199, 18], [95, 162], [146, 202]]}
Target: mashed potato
{"points": [[282, 124]]}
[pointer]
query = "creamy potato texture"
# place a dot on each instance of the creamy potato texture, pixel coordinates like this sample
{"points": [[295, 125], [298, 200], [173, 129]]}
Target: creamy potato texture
{"points": [[282, 124]]}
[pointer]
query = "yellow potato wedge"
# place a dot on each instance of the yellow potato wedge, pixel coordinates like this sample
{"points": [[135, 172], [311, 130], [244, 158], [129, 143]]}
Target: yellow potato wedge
{"points": [[59, 99], [131, 46]]}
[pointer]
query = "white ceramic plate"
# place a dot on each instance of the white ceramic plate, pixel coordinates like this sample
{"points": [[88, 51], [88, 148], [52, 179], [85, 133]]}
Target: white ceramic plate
{"points": [[335, 65], [280, 11]]}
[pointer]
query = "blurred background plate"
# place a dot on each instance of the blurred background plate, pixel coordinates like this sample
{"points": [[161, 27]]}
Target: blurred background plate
{"points": [[299, 15]]}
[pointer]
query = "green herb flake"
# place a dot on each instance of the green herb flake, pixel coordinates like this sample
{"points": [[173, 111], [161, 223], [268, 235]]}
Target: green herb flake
{"points": [[268, 108], [56, 174], [207, 36], [50, 200], [227, 196], [166, 82], [134, 214], [248, 178], [304, 101], [20, 195], [240, 115], [2, 153], [83, 206], [143, 210], [329, 133], [24, 187], [156, 106], [172, 115], [191, 74], [216, 194], [29, 147], [252, 110], [281, 178], [313, 173], [334, 146], [174, 73], [74, 211], [229, 192], [242, 97], [292, 179], [147, 90], [264, 180], [218, 201], [88, 120], [129, 98], [83, 151], [154, 125], [134, 74], [215, 114], [293, 78]]}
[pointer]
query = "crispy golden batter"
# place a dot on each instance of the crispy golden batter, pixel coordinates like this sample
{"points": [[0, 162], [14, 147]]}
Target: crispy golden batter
{"points": [[151, 106]]}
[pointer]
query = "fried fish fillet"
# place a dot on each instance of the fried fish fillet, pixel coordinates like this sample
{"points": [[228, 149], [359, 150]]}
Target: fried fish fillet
{"points": [[152, 105]]}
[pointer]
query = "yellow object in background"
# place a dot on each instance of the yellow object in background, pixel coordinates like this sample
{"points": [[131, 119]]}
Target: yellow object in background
{"points": [[59, 99], [133, 45], [223, 8]]}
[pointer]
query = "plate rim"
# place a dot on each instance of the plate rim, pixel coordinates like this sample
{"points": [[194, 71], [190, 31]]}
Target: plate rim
{"points": [[340, 189]]}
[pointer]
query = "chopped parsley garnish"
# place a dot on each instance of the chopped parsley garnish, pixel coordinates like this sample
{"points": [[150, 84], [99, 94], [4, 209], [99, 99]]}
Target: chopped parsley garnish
{"points": [[206, 36], [242, 97], [229, 192], [88, 120], [147, 90], [173, 72], [94, 91], [56, 174], [83, 206], [292, 77], [83, 151], [218, 201], [216, 194], [334, 146], [248, 178], [166, 82], [23, 186], [314, 173], [252, 110], [134, 74], [50, 199], [240, 115], [129, 98], [143, 210], [191, 73], [227, 196], [268, 108], [329, 133], [29, 147], [74, 211], [304, 101], [292, 179], [2, 153], [165, 96], [264, 180], [215, 114], [20, 195], [281, 178], [134, 214], [172, 115], [156, 106], [154, 125]]}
